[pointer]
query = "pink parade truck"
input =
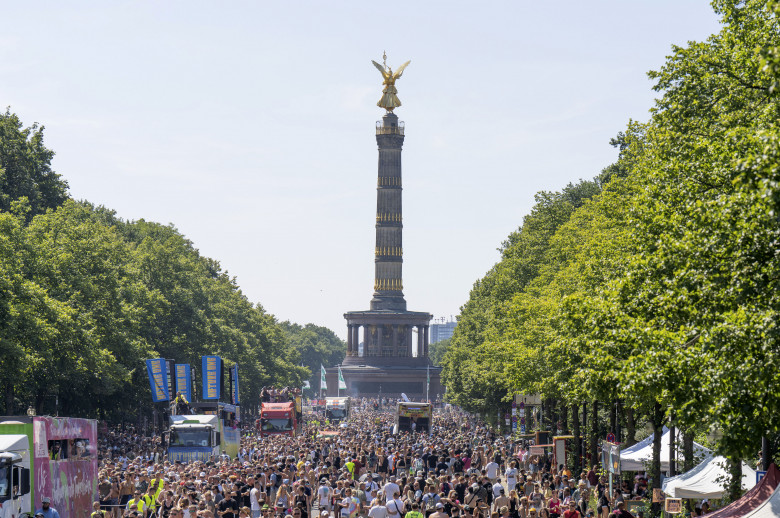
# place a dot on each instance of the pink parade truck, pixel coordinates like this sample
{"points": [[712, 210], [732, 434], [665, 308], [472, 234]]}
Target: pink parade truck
{"points": [[48, 456]]}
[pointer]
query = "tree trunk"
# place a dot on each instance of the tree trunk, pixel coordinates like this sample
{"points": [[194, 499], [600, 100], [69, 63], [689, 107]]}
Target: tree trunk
{"points": [[630, 426], [39, 399], [9, 399], [613, 417], [553, 417], [766, 453], [657, 422], [594, 438], [584, 441], [619, 414], [735, 478], [688, 450], [672, 448], [575, 421], [564, 411]]}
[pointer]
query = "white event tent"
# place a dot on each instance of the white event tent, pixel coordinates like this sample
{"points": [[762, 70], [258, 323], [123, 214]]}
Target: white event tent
{"points": [[640, 455], [706, 480]]}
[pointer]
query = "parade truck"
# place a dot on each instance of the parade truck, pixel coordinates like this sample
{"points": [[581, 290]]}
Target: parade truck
{"points": [[413, 417], [48, 456], [204, 436], [337, 409], [278, 419]]}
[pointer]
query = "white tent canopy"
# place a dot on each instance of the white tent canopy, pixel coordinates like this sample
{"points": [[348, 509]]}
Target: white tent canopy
{"points": [[706, 480], [640, 455], [769, 509]]}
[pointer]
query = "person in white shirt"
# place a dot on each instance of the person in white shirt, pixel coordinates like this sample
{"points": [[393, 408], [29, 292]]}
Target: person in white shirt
{"points": [[511, 475], [390, 489], [254, 500], [347, 503], [323, 494], [492, 471], [395, 508], [378, 511]]}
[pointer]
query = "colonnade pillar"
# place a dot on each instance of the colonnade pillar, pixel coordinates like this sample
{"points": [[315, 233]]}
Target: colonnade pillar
{"points": [[366, 340], [349, 339]]}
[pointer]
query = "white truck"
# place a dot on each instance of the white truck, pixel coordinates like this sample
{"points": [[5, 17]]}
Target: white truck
{"points": [[337, 409], [14, 483], [205, 435]]}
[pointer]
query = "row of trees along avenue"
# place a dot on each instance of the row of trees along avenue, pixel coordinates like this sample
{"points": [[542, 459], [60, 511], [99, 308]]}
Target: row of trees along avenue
{"points": [[85, 297], [650, 293]]}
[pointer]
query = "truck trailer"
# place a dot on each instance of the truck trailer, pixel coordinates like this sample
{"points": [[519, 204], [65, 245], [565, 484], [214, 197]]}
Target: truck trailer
{"points": [[48, 456], [204, 436]]}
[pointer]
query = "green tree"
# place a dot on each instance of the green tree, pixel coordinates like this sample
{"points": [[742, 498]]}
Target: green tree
{"points": [[437, 350], [25, 168], [691, 317], [469, 366], [315, 345]]}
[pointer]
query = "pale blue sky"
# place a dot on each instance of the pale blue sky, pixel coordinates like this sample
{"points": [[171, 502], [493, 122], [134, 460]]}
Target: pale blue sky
{"points": [[250, 125]]}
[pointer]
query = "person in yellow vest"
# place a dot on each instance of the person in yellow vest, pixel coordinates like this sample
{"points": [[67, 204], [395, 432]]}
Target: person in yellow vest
{"points": [[155, 489], [181, 404], [96, 512], [150, 497], [351, 467], [415, 512], [137, 503]]}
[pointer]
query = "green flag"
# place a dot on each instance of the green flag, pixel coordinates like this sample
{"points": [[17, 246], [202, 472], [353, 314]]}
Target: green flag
{"points": [[323, 383], [342, 383]]}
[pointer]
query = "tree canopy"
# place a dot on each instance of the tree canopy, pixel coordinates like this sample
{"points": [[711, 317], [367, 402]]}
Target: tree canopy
{"points": [[655, 284], [85, 297]]}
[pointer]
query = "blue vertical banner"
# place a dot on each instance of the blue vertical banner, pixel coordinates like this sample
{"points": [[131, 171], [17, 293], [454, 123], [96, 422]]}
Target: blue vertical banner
{"points": [[184, 380], [212, 370], [234, 371], [158, 379]]}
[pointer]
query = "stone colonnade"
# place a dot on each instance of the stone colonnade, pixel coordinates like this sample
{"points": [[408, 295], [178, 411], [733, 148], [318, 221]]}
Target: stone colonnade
{"points": [[394, 340]]}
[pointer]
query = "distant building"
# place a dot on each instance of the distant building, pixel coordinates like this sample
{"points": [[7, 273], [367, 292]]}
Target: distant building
{"points": [[442, 330]]}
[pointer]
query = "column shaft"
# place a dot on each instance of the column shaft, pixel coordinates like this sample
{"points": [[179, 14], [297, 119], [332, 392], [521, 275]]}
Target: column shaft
{"points": [[349, 339], [367, 345]]}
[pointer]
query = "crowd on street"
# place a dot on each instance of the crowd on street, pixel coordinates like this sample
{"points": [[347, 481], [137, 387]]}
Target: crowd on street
{"points": [[462, 469]]}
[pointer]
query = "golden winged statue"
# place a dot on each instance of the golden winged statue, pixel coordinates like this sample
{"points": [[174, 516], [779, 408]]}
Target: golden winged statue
{"points": [[389, 100]]}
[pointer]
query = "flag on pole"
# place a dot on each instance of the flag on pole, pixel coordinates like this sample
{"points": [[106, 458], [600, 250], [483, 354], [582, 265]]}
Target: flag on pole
{"points": [[306, 384], [323, 383], [342, 383]]}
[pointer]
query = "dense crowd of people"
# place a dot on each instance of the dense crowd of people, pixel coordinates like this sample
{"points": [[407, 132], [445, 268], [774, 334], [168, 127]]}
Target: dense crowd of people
{"points": [[462, 469]]}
